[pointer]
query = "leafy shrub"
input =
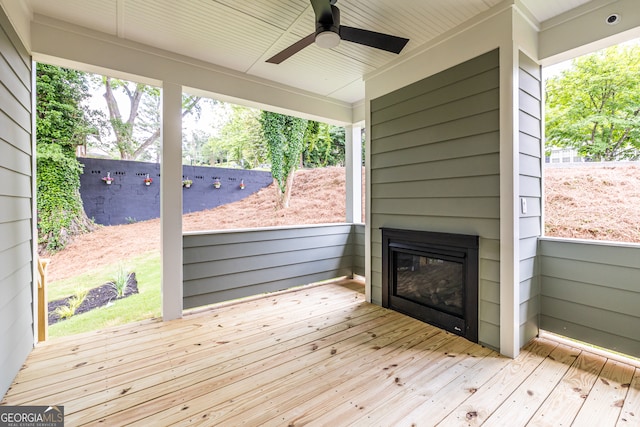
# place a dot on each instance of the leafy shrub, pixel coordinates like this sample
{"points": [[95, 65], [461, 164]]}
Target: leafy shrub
{"points": [[120, 281], [60, 211], [67, 311]]}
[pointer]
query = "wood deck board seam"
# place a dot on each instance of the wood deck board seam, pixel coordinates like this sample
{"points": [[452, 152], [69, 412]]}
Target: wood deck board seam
{"points": [[243, 364], [338, 366], [317, 355], [175, 326], [161, 343]]}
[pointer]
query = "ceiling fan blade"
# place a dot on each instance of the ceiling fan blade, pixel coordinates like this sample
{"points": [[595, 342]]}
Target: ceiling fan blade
{"points": [[322, 9], [292, 50], [371, 38]]}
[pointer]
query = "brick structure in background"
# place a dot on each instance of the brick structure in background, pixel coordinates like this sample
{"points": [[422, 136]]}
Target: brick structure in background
{"points": [[128, 198]]}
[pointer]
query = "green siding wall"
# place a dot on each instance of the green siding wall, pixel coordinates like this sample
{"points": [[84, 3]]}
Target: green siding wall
{"points": [[220, 266], [590, 291], [530, 184], [435, 167], [358, 249], [16, 318]]}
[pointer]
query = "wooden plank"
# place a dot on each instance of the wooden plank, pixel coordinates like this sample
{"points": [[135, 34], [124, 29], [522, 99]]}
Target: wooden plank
{"points": [[630, 414], [448, 398], [563, 404], [320, 356], [424, 387], [304, 298], [275, 396], [357, 392], [43, 318], [119, 361], [124, 371], [344, 404], [519, 407], [479, 407], [242, 372], [605, 400], [239, 315]]}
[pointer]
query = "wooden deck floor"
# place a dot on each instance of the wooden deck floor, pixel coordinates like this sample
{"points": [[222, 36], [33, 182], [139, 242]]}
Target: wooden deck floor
{"points": [[318, 356]]}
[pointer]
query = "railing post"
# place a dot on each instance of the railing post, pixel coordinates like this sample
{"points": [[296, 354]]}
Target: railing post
{"points": [[43, 315]]}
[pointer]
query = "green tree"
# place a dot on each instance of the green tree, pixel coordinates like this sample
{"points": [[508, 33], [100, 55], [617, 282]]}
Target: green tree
{"points": [[61, 125], [241, 140], [284, 136], [594, 106], [193, 148], [324, 145], [137, 133]]}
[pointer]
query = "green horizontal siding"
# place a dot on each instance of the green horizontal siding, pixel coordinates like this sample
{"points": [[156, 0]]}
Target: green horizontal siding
{"points": [[435, 166], [219, 266], [16, 199], [591, 292]]}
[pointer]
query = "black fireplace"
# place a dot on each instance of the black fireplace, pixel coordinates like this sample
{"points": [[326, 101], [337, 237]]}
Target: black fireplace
{"points": [[432, 277]]}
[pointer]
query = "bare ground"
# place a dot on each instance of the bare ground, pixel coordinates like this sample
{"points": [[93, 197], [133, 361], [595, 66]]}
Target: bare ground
{"points": [[593, 202], [598, 202]]}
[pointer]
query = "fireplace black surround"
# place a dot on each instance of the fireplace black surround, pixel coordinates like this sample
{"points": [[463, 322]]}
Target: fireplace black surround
{"points": [[432, 277]]}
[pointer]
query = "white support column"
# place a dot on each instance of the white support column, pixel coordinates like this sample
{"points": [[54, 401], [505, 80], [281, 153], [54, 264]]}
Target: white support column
{"points": [[367, 201], [171, 201], [509, 214], [34, 210], [353, 162]]}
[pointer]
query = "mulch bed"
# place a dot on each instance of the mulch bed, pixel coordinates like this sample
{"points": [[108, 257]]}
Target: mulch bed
{"points": [[96, 297]]}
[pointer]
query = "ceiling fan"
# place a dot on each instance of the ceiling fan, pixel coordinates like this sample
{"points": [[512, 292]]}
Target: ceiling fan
{"points": [[329, 32]]}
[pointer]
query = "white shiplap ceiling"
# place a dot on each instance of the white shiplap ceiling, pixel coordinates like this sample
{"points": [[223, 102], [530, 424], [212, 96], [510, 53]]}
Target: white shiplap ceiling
{"points": [[242, 34]]}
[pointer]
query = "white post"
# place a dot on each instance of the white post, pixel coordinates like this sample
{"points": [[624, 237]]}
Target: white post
{"points": [[509, 190], [171, 201], [34, 210], [353, 162]]}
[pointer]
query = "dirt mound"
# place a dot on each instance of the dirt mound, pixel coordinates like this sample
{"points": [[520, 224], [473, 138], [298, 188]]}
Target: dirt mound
{"points": [[599, 202]]}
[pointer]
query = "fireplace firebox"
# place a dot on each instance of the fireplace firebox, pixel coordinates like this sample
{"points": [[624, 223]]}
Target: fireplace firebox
{"points": [[432, 277]]}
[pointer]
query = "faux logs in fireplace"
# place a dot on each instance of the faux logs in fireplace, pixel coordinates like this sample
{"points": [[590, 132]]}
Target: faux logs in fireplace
{"points": [[432, 277]]}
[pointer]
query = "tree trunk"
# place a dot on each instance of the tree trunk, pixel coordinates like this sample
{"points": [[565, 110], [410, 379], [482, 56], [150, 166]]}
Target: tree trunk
{"points": [[288, 189]]}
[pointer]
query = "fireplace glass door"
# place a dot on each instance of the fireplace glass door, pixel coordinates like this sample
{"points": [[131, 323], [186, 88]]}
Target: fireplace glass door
{"points": [[430, 280]]}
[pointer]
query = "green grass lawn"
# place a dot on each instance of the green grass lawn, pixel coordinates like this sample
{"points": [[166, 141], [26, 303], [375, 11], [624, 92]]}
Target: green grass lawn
{"points": [[144, 305]]}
